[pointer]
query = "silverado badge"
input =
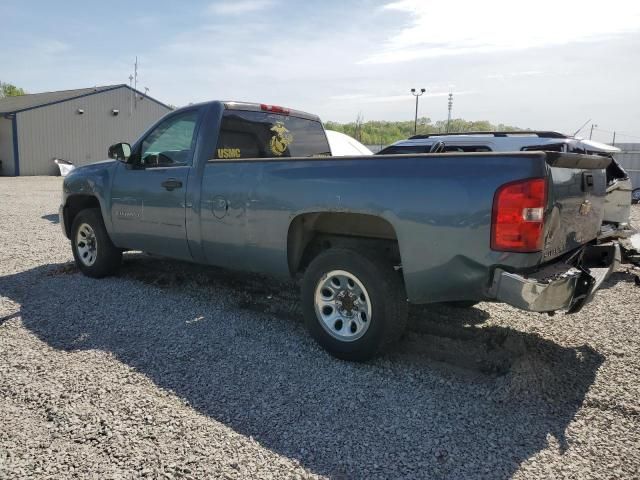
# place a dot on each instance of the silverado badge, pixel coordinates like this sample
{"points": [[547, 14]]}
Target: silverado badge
{"points": [[281, 140]]}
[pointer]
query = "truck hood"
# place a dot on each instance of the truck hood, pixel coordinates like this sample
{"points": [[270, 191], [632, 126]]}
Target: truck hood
{"points": [[93, 167], [89, 179]]}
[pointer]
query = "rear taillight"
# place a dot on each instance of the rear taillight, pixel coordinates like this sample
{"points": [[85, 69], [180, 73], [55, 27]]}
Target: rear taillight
{"points": [[517, 223]]}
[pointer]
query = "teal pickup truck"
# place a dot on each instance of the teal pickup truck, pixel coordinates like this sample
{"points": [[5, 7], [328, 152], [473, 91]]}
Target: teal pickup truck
{"points": [[253, 187]]}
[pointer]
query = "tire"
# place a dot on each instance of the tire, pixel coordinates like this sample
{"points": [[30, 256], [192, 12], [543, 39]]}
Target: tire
{"points": [[95, 255], [635, 195], [370, 296]]}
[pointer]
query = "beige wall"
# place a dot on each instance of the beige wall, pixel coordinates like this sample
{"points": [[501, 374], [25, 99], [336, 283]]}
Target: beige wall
{"points": [[58, 131], [6, 146]]}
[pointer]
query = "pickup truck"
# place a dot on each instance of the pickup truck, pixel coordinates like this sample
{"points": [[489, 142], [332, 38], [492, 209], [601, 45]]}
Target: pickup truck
{"points": [[253, 187]]}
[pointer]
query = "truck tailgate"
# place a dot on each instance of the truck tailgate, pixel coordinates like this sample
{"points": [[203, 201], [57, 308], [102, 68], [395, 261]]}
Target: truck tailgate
{"points": [[576, 201]]}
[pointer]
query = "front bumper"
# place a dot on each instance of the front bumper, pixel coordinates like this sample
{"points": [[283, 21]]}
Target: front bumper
{"points": [[558, 286]]}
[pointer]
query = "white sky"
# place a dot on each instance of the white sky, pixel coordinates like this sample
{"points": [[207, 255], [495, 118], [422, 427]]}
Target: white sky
{"points": [[544, 64]]}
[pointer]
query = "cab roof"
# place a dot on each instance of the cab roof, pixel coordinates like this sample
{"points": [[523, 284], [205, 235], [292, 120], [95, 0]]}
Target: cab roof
{"points": [[260, 107]]}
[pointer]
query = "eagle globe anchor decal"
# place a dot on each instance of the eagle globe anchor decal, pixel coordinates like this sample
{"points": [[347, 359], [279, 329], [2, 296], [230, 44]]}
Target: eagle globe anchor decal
{"points": [[281, 140]]}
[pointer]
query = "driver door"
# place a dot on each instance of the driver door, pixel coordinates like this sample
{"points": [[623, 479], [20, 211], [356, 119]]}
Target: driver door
{"points": [[149, 192]]}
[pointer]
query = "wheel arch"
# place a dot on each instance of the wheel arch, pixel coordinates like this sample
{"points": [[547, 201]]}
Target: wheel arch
{"points": [[75, 204], [310, 233]]}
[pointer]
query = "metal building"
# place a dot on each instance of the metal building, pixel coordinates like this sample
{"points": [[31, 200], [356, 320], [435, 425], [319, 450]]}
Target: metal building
{"points": [[74, 125], [629, 158]]}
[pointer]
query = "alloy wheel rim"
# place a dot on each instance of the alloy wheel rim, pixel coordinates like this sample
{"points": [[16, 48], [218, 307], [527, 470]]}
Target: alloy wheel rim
{"points": [[86, 245], [342, 305]]}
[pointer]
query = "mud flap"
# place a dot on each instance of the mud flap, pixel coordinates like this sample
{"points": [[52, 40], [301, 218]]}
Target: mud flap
{"points": [[582, 293]]}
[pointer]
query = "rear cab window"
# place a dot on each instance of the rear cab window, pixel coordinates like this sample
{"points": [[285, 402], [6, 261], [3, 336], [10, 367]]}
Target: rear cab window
{"points": [[255, 134]]}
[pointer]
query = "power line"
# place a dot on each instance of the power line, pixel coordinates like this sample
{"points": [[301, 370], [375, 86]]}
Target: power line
{"points": [[618, 133]]}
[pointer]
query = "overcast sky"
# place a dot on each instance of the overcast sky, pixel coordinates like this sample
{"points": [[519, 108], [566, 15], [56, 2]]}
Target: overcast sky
{"points": [[548, 64]]}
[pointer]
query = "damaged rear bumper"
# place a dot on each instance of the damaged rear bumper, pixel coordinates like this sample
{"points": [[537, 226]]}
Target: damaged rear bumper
{"points": [[559, 286]]}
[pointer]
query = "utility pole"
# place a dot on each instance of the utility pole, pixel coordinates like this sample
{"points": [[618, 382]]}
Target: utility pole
{"points": [[417, 95], [450, 103], [131, 96], [135, 83], [593, 125], [359, 122], [613, 142]]}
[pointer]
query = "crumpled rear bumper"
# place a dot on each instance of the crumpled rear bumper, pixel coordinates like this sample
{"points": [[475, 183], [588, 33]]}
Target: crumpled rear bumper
{"points": [[558, 286]]}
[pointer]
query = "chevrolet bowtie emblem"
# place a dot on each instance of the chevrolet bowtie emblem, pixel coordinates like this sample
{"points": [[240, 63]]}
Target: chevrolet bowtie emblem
{"points": [[585, 207]]}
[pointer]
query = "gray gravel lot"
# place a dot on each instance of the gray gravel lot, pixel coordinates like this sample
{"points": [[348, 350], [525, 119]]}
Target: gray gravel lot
{"points": [[177, 371]]}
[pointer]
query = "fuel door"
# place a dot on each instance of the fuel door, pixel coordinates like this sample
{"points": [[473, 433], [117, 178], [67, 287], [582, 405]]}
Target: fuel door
{"points": [[219, 206]]}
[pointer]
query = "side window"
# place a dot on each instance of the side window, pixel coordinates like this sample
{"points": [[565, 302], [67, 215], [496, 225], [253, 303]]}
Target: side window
{"points": [[467, 148], [171, 142], [550, 147], [404, 149], [249, 134]]}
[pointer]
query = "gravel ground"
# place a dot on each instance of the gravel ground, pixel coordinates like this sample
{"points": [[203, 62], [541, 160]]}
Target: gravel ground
{"points": [[177, 371]]}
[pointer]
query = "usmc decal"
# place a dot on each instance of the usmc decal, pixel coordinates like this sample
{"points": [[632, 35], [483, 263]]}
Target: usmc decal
{"points": [[228, 153], [281, 139]]}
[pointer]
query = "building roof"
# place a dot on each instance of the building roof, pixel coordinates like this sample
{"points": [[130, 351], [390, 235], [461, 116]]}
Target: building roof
{"points": [[37, 100]]}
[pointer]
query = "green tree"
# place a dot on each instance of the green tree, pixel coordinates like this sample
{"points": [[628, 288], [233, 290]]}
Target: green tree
{"points": [[9, 90], [380, 132]]}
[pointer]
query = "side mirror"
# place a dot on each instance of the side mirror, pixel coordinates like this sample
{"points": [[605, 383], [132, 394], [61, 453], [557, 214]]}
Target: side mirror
{"points": [[120, 152]]}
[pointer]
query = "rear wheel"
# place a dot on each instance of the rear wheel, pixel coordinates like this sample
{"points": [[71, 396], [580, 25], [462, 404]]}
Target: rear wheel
{"points": [[93, 251], [354, 304]]}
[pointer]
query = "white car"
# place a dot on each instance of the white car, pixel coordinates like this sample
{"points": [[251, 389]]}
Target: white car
{"points": [[618, 201], [64, 166], [345, 146]]}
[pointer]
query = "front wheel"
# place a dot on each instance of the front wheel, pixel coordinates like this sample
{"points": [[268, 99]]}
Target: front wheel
{"points": [[93, 251], [354, 304]]}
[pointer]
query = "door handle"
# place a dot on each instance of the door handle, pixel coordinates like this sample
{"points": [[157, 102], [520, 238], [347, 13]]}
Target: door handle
{"points": [[171, 184]]}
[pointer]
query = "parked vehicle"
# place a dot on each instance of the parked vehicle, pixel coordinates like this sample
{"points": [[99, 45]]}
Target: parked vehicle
{"points": [[252, 187], [619, 197], [65, 166], [343, 145]]}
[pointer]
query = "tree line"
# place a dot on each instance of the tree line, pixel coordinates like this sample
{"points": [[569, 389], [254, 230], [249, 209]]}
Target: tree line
{"points": [[9, 90], [381, 132]]}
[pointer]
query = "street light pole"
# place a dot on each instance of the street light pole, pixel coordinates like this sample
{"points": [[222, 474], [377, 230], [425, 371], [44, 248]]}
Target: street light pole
{"points": [[450, 104], [416, 94]]}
